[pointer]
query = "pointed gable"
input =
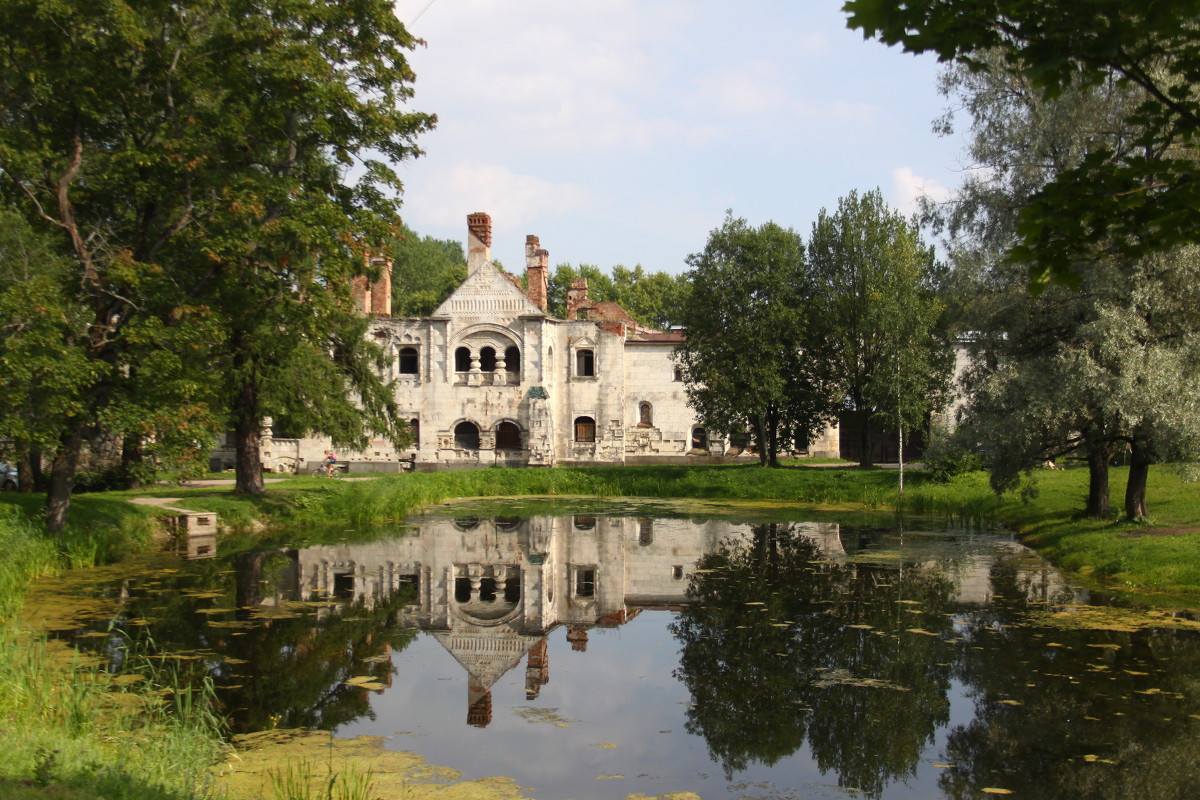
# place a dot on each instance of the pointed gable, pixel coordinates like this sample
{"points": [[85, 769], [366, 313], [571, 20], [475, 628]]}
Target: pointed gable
{"points": [[487, 294]]}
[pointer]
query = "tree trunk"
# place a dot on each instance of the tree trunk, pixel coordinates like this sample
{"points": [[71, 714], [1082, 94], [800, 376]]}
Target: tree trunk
{"points": [[1135, 490], [773, 435], [62, 479], [1097, 503], [760, 436], [133, 456], [37, 479], [901, 429], [26, 477], [247, 433]]}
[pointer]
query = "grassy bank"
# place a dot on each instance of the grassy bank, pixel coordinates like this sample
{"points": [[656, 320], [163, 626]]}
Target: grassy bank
{"points": [[65, 730]]}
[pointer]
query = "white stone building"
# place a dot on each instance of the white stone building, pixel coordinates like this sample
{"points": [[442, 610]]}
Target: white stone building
{"points": [[491, 378]]}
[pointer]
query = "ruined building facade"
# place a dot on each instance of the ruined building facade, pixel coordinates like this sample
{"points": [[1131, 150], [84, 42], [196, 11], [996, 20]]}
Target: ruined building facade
{"points": [[491, 378]]}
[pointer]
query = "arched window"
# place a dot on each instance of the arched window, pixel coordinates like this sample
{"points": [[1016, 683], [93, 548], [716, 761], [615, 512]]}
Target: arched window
{"points": [[645, 414], [585, 429], [462, 360], [466, 436], [678, 374], [585, 364], [414, 427], [699, 439], [408, 361], [645, 532], [512, 363], [508, 436], [487, 359]]}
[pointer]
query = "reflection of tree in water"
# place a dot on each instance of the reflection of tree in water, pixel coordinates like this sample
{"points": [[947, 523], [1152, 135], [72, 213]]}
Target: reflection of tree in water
{"points": [[770, 659], [1074, 715], [287, 671]]}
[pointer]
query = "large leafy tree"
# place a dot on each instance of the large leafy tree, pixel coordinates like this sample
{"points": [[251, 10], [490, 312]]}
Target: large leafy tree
{"points": [[193, 158], [885, 315], [1127, 202], [756, 357], [1106, 366]]}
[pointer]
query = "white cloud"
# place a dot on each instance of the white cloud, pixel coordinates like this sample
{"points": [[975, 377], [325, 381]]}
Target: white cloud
{"points": [[547, 74], [908, 187], [751, 88], [514, 200]]}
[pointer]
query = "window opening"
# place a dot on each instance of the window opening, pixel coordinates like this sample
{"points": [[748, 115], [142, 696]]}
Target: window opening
{"points": [[408, 361], [343, 584], [462, 590], [645, 532], [512, 363], [585, 364], [585, 429], [512, 590], [699, 439], [414, 427], [646, 415], [508, 436], [584, 523], [487, 359], [466, 436], [462, 360], [585, 583]]}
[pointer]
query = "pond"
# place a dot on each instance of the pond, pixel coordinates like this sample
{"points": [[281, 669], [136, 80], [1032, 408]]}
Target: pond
{"points": [[632, 650]]}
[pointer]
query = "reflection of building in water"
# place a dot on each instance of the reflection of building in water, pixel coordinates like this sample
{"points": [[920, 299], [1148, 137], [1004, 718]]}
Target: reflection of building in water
{"points": [[490, 590]]}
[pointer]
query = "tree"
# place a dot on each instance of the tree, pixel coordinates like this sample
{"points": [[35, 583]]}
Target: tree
{"points": [[1100, 368], [193, 155], [425, 271], [884, 317], [756, 357], [1128, 202]]}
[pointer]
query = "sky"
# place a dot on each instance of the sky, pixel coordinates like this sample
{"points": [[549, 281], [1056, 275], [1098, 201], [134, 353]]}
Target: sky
{"points": [[620, 131]]}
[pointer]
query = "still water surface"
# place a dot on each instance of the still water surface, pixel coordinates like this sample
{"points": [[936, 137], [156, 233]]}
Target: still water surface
{"points": [[601, 655]]}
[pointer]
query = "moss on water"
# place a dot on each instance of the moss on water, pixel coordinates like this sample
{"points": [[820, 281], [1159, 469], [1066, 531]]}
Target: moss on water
{"points": [[258, 760]]}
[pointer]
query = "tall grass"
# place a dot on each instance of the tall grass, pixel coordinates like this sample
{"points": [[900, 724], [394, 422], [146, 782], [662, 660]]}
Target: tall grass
{"points": [[68, 727], [393, 497]]}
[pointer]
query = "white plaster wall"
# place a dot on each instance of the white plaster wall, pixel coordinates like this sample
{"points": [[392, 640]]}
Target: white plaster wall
{"points": [[650, 377]]}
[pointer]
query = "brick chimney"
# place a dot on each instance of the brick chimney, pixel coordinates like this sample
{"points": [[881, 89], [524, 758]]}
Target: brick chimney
{"points": [[381, 289], [479, 241], [360, 293], [577, 295], [536, 269]]}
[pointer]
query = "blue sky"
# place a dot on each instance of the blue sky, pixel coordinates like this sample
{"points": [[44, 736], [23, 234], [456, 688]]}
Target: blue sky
{"points": [[619, 131]]}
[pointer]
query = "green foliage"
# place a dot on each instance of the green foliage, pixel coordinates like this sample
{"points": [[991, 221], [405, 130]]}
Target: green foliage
{"points": [[1121, 201], [425, 271], [654, 299], [1106, 365], [756, 358], [885, 319], [218, 227], [950, 454]]}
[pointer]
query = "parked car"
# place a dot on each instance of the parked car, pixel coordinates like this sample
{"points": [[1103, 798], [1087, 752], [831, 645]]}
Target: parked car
{"points": [[8, 477]]}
